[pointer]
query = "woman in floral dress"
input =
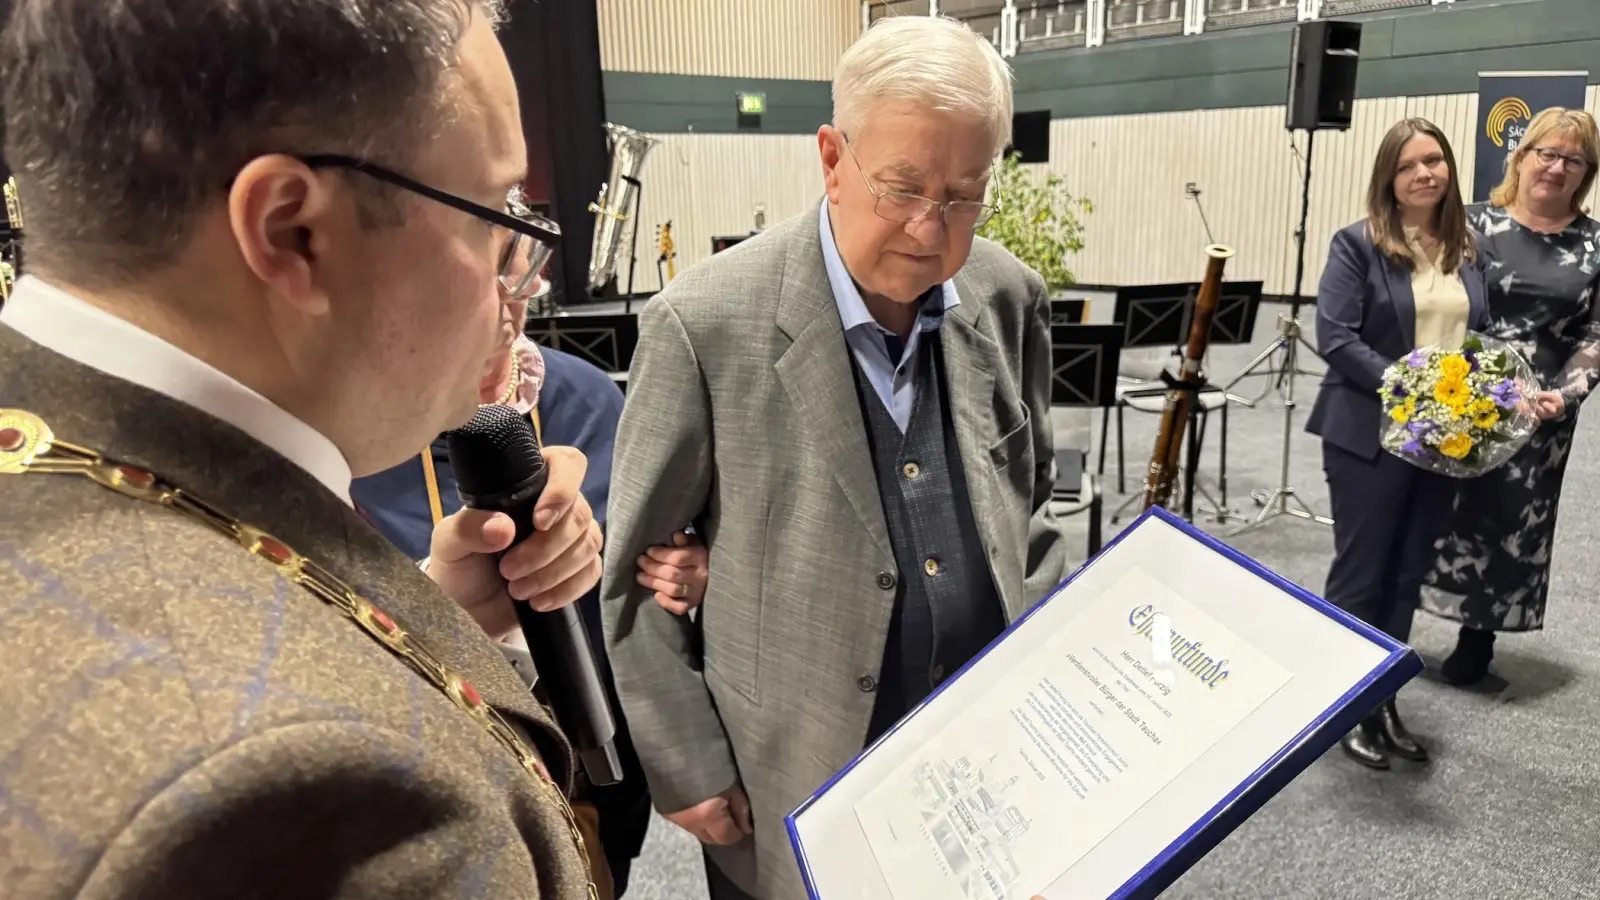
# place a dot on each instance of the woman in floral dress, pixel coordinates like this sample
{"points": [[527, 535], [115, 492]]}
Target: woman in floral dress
{"points": [[1542, 262]]}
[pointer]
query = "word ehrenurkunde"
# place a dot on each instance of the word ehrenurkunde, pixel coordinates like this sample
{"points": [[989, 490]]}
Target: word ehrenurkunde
{"points": [[1188, 655]]}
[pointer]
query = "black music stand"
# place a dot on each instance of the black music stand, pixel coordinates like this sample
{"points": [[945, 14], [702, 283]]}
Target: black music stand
{"points": [[1155, 316], [1068, 310], [606, 341], [1151, 316], [1233, 322], [1237, 306], [1083, 375]]}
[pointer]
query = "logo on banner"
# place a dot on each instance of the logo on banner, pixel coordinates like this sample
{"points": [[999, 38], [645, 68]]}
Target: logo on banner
{"points": [[1508, 121]]}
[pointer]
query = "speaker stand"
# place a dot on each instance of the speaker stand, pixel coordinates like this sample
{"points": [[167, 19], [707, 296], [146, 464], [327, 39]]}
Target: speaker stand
{"points": [[1282, 500]]}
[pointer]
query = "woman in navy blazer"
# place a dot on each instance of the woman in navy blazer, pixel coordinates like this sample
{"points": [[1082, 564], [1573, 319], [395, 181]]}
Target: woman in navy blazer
{"points": [[1404, 277]]}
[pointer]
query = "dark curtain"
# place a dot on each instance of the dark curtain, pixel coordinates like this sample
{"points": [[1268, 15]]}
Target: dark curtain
{"points": [[554, 49]]}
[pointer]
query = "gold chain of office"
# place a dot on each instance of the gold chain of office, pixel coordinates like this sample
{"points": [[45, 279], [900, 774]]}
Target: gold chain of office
{"points": [[27, 446]]}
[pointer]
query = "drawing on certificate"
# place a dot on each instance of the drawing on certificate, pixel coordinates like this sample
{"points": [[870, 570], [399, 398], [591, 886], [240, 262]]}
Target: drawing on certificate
{"points": [[1064, 747]]}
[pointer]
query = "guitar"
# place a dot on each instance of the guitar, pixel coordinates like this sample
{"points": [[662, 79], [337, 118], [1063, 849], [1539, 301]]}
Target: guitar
{"points": [[669, 252]]}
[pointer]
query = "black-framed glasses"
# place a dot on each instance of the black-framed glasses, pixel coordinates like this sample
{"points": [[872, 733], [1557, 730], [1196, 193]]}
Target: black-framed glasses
{"points": [[1571, 162], [532, 237], [903, 206]]}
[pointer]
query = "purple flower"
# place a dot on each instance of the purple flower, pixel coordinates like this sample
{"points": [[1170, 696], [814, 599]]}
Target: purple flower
{"points": [[1416, 359], [1472, 358], [1505, 394], [1412, 447], [1397, 389]]}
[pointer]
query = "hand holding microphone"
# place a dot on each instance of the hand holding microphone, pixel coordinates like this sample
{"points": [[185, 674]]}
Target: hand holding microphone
{"points": [[555, 566], [502, 474]]}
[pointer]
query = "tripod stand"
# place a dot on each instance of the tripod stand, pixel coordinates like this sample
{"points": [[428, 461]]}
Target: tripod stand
{"points": [[1282, 500]]}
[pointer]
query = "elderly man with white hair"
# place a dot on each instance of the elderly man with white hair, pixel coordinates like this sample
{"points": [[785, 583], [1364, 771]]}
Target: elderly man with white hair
{"points": [[853, 407]]}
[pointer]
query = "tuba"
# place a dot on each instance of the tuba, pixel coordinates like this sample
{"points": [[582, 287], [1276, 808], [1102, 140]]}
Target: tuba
{"points": [[613, 208], [1182, 390]]}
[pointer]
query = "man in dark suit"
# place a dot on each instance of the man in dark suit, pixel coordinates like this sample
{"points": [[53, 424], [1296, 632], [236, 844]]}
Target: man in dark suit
{"points": [[222, 682]]}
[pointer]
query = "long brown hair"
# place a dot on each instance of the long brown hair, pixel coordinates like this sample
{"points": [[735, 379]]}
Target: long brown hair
{"points": [[1383, 210], [1571, 123]]}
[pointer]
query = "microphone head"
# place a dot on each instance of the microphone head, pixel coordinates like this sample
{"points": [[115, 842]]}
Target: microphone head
{"points": [[495, 454]]}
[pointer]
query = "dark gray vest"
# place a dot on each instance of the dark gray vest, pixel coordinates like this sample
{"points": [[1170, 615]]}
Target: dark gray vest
{"points": [[946, 607]]}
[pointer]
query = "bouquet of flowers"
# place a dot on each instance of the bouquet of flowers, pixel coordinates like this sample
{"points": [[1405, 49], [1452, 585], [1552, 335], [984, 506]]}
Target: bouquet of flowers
{"points": [[1459, 411]]}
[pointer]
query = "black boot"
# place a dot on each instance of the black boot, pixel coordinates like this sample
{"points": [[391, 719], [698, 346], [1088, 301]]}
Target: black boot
{"points": [[1469, 662], [1365, 744], [1403, 743]]}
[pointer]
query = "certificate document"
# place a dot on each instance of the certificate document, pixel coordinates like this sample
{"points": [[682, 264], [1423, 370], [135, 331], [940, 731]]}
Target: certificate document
{"points": [[1110, 738], [1063, 748]]}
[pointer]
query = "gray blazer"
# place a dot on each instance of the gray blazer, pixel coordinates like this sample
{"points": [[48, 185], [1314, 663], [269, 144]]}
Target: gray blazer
{"points": [[742, 416]]}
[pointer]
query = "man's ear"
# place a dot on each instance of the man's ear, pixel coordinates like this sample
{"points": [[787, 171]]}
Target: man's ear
{"points": [[830, 147], [276, 207]]}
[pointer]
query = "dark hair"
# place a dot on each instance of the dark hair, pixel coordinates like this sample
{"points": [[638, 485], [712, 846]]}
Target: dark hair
{"points": [[122, 118], [1383, 210]]}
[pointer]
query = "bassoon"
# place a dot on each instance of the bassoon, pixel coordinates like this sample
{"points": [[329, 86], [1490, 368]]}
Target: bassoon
{"points": [[1182, 390]]}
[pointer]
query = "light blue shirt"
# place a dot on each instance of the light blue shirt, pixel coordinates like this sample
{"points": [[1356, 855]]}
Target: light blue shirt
{"points": [[893, 377]]}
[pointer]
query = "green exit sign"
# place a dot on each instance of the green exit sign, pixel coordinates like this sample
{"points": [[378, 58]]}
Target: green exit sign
{"points": [[752, 104]]}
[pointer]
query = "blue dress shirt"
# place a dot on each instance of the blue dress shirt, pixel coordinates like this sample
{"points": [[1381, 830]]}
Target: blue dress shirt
{"points": [[890, 367]]}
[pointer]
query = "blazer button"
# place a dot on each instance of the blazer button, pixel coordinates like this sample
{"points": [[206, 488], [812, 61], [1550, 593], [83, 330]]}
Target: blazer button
{"points": [[867, 684], [886, 580]]}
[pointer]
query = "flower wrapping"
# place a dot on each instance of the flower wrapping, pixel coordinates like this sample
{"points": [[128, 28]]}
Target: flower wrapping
{"points": [[1459, 411]]}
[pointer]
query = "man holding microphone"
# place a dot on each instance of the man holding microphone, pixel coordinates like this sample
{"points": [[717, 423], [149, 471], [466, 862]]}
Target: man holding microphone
{"points": [[248, 226]]}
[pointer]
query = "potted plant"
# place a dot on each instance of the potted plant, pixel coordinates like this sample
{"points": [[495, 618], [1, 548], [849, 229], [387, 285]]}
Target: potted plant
{"points": [[1039, 221]]}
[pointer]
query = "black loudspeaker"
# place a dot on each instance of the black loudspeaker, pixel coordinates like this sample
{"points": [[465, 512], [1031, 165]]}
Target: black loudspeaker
{"points": [[1322, 74], [1030, 136]]}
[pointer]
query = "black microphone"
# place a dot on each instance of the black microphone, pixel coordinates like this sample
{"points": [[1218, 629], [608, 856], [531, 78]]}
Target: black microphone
{"points": [[498, 467]]}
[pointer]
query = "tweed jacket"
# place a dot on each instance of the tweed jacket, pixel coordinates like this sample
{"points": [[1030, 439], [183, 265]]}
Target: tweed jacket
{"points": [[742, 415], [180, 720]]}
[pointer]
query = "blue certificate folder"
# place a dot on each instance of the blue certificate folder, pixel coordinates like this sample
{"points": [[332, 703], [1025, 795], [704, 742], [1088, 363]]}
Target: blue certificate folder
{"points": [[1295, 727]]}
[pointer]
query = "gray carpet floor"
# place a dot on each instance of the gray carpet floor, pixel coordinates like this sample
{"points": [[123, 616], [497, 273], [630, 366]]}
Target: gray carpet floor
{"points": [[1510, 806]]}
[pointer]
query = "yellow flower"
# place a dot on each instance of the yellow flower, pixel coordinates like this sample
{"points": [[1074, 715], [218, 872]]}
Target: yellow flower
{"points": [[1487, 419], [1405, 411], [1483, 406], [1455, 446], [1454, 367], [1452, 392]]}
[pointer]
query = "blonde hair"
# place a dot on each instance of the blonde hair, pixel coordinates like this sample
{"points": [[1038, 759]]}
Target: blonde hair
{"points": [[1560, 122], [928, 61]]}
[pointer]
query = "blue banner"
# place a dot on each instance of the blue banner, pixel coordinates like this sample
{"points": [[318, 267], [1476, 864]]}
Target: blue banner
{"points": [[1507, 102]]}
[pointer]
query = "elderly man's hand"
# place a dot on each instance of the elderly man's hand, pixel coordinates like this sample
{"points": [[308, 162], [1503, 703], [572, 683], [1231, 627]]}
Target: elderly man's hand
{"points": [[677, 573], [721, 820], [555, 566]]}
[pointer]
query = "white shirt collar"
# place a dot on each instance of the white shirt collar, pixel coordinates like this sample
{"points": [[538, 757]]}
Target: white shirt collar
{"points": [[57, 320]]}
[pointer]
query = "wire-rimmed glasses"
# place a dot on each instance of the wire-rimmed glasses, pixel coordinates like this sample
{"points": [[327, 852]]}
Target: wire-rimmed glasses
{"points": [[903, 206]]}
